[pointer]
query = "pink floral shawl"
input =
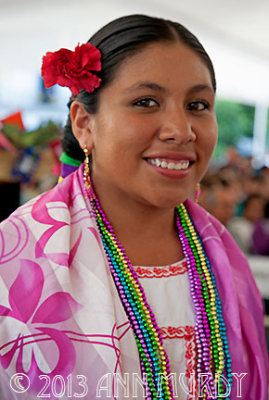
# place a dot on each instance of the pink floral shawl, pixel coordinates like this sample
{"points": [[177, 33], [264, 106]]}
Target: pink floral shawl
{"points": [[57, 319]]}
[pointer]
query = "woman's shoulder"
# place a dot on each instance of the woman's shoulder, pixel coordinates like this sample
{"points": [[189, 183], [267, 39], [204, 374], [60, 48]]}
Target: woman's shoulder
{"points": [[203, 220], [60, 196], [215, 236]]}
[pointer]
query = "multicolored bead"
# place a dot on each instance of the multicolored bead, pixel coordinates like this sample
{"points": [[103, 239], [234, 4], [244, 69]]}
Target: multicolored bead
{"points": [[212, 344]]}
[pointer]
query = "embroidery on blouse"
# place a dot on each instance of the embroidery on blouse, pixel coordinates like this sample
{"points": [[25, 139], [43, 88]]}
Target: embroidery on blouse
{"points": [[188, 334], [162, 272]]}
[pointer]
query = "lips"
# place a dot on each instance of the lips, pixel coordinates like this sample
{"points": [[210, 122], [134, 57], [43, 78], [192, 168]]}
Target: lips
{"points": [[171, 160], [171, 164]]}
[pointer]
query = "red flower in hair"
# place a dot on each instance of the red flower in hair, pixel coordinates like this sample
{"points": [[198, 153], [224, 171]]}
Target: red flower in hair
{"points": [[72, 68]]}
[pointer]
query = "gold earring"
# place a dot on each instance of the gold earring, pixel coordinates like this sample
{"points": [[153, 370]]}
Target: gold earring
{"points": [[86, 171], [197, 193]]}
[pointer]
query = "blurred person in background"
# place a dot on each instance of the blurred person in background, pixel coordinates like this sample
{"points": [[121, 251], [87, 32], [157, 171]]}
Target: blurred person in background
{"points": [[218, 197], [242, 227], [265, 186], [260, 237]]}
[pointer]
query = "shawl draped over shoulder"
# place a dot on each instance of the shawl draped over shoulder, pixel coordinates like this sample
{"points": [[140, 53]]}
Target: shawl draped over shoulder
{"points": [[57, 317]]}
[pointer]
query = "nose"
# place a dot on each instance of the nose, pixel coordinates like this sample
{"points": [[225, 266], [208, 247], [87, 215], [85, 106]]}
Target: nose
{"points": [[177, 126]]}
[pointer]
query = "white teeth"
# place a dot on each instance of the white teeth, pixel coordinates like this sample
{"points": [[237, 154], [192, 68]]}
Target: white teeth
{"points": [[171, 165], [175, 165]]}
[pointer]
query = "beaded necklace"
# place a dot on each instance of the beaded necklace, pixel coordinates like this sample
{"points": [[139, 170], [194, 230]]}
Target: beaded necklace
{"points": [[213, 356]]}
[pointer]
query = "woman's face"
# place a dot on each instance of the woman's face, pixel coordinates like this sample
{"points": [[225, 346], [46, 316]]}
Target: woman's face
{"points": [[155, 129]]}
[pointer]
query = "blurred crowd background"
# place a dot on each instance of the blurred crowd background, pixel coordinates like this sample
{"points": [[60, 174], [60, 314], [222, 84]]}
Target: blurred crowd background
{"points": [[237, 194]]}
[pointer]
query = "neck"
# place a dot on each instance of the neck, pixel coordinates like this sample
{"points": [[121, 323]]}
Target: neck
{"points": [[147, 233]]}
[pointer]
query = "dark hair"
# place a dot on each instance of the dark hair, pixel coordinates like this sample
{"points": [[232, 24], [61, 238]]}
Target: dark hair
{"points": [[119, 39], [250, 197], [266, 211]]}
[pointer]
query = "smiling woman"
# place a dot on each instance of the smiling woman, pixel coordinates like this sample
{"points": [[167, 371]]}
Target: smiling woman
{"points": [[141, 291], [145, 115]]}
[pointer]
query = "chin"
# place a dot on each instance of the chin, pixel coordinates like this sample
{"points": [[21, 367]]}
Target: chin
{"points": [[168, 201]]}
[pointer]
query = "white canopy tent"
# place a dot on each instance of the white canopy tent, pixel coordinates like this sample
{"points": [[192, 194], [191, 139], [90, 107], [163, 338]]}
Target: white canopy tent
{"points": [[235, 33]]}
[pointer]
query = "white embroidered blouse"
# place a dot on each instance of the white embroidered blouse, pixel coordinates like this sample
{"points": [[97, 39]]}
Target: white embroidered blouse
{"points": [[168, 294]]}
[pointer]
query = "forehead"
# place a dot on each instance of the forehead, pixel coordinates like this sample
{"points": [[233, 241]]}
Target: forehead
{"points": [[165, 62]]}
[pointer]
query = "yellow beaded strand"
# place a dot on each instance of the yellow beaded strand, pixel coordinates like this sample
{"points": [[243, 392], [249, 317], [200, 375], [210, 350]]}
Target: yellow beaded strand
{"points": [[212, 295], [146, 313]]}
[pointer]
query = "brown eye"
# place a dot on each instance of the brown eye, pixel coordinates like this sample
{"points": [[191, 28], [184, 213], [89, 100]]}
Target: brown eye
{"points": [[146, 102], [198, 106]]}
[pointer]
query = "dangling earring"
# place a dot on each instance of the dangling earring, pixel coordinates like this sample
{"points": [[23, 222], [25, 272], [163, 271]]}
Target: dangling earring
{"points": [[86, 171], [197, 193]]}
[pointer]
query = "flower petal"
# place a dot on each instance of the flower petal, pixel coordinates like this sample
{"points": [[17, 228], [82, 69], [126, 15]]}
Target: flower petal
{"points": [[59, 258], [67, 67], [43, 217], [25, 292], [53, 65], [57, 308], [74, 250], [4, 311], [6, 359], [88, 82], [65, 365]]}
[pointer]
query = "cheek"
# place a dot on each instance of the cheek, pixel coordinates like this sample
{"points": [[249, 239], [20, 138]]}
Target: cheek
{"points": [[209, 138], [212, 141], [206, 144]]}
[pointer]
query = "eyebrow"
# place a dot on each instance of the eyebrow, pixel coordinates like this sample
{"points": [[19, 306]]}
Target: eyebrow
{"points": [[146, 85], [200, 88], [158, 88]]}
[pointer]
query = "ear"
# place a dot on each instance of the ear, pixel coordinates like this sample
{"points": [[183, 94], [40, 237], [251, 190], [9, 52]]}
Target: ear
{"points": [[81, 125]]}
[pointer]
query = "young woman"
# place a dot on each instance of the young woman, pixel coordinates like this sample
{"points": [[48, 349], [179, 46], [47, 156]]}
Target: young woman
{"points": [[115, 284]]}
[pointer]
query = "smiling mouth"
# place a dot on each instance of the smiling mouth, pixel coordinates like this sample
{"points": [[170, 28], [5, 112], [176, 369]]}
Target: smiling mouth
{"points": [[169, 164]]}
